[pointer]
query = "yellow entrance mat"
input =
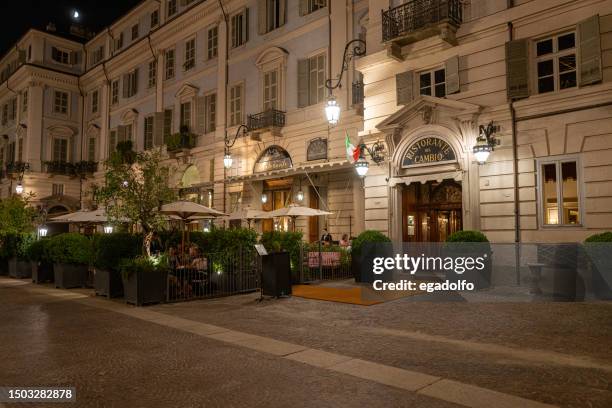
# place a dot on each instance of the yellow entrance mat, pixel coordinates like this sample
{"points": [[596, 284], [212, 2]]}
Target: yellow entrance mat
{"points": [[359, 295]]}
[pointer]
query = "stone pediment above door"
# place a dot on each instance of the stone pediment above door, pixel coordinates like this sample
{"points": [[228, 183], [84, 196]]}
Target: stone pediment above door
{"points": [[424, 111]]}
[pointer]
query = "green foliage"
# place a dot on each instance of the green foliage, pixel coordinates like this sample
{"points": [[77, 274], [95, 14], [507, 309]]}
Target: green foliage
{"points": [[467, 236], [603, 237], [216, 241], [111, 249], [134, 191], [71, 248], [38, 251], [16, 215], [277, 241], [124, 152], [178, 141], [144, 264], [367, 237], [15, 245]]}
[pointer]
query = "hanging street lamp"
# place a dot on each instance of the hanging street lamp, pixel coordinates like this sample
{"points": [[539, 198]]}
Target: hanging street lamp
{"points": [[486, 142], [227, 158], [19, 188], [332, 109]]}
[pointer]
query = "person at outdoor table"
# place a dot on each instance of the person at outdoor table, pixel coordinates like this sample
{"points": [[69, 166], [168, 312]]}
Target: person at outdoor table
{"points": [[173, 259], [344, 242], [326, 238], [198, 262], [156, 245]]}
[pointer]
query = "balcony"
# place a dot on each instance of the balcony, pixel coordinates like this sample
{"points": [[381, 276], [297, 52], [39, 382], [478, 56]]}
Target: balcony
{"points": [[177, 142], [60, 168], [267, 120], [14, 168], [85, 168], [420, 19]]}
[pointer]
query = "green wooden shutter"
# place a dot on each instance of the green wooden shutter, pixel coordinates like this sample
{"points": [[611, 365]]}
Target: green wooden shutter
{"points": [[282, 7], [590, 51], [200, 115], [303, 73], [158, 128], [126, 85], [261, 16], [245, 26], [451, 68], [517, 69], [403, 87]]}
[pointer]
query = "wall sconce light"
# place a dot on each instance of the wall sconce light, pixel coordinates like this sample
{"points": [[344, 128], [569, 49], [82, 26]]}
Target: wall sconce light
{"points": [[19, 188], [42, 231], [108, 229], [486, 142], [264, 198]]}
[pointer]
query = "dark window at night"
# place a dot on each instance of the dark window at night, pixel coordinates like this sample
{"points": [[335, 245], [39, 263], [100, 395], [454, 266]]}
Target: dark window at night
{"points": [[556, 63], [433, 83]]}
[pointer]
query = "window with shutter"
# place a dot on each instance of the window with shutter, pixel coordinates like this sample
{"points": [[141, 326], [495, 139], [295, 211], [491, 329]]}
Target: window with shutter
{"points": [[517, 69], [158, 128], [152, 73], [211, 112], [112, 141], [271, 15], [115, 92], [168, 114], [235, 101], [590, 51], [433, 83], [169, 64], [60, 150], [403, 87], [239, 28], [213, 42], [311, 80], [556, 62], [60, 104], [91, 149], [270, 90], [148, 132], [190, 56], [200, 115], [303, 87], [172, 7], [451, 71], [310, 6]]}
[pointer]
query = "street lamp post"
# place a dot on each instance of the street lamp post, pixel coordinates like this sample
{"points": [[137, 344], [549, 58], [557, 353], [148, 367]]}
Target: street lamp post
{"points": [[332, 109], [376, 153], [227, 158]]}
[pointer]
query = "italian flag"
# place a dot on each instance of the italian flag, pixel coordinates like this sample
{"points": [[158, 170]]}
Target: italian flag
{"points": [[352, 152]]}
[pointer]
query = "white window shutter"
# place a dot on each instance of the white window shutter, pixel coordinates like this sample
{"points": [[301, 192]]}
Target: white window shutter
{"points": [[451, 68], [590, 51], [303, 76], [517, 69], [404, 83], [201, 115]]}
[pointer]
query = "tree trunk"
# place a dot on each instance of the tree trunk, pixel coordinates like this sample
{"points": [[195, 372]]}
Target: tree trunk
{"points": [[146, 243]]}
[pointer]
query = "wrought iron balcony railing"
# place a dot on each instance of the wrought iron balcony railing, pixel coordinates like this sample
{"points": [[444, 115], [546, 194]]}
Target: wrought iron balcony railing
{"points": [[268, 119], [17, 167], [60, 168], [417, 15], [85, 167], [180, 141]]}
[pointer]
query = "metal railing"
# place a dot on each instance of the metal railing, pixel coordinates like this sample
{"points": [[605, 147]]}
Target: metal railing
{"points": [[267, 119], [323, 263], [213, 275], [17, 167], [418, 14]]}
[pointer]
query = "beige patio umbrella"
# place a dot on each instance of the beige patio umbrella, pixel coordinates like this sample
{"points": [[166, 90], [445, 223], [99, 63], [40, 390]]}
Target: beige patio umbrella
{"points": [[188, 211], [98, 216], [293, 211], [247, 214]]}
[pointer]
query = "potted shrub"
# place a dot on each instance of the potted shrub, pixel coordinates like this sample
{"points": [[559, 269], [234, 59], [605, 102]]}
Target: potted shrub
{"points": [[560, 262], [473, 244], [368, 244], [71, 254], [41, 264], [110, 250], [19, 264], [598, 249], [144, 279]]}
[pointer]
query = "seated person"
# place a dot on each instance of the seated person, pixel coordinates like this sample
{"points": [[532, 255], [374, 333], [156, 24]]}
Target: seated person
{"points": [[344, 242]]}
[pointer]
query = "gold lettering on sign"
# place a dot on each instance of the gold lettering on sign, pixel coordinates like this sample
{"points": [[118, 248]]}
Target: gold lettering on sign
{"points": [[428, 150]]}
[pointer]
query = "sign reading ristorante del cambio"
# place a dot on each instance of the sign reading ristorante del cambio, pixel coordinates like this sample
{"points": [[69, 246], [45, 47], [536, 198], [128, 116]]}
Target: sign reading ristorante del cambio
{"points": [[429, 150], [273, 158]]}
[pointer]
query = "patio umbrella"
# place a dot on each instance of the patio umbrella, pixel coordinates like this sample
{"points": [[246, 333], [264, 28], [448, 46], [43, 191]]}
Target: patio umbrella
{"points": [[98, 216], [294, 211], [247, 214], [188, 211]]}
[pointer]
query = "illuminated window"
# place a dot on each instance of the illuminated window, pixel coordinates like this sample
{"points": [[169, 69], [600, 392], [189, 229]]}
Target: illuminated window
{"points": [[560, 192]]}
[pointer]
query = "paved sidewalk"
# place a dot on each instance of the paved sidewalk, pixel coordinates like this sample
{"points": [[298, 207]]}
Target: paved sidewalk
{"points": [[344, 355]]}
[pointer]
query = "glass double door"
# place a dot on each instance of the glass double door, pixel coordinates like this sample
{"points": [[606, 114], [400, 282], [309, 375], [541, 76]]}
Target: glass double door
{"points": [[431, 211]]}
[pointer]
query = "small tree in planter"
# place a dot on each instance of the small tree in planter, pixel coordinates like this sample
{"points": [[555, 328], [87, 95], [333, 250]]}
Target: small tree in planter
{"points": [[144, 279], [19, 264], [16, 217], [363, 249], [71, 254], [110, 251], [598, 249], [42, 266], [471, 244], [136, 184]]}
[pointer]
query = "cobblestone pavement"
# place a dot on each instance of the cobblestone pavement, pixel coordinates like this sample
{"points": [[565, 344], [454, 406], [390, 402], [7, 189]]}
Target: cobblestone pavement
{"points": [[554, 353]]}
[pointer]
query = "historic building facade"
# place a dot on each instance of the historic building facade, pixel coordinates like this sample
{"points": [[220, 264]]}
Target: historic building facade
{"points": [[192, 67], [529, 80], [536, 76]]}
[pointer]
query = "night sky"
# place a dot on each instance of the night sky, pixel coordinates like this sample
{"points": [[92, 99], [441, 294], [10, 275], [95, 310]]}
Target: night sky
{"points": [[19, 16]]}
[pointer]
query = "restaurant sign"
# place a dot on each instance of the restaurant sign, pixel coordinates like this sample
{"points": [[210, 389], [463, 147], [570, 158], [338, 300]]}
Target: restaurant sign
{"points": [[273, 158], [429, 150]]}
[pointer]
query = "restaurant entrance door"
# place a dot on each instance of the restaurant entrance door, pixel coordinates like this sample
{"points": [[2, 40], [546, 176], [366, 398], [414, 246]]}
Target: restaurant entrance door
{"points": [[431, 211]]}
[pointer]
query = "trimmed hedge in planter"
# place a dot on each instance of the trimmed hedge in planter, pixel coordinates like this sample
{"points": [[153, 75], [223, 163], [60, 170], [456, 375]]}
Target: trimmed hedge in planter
{"points": [[473, 244], [71, 254], [14, 249], [110, 251], [598, 249], [41, 264], [144, 280], [363, 250]]}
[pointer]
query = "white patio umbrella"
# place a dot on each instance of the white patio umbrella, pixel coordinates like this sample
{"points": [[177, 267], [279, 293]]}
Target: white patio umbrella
{"points": [[98, 216], [188, 211], [293, 211]]}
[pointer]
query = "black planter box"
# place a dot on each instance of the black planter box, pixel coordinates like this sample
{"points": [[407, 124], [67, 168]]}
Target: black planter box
{"points": [[19, 269], [561, 264], [4, 268], [70, 276], [600, 266], [108, 283], [141, 288], [42, 272], [276, 274]]}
